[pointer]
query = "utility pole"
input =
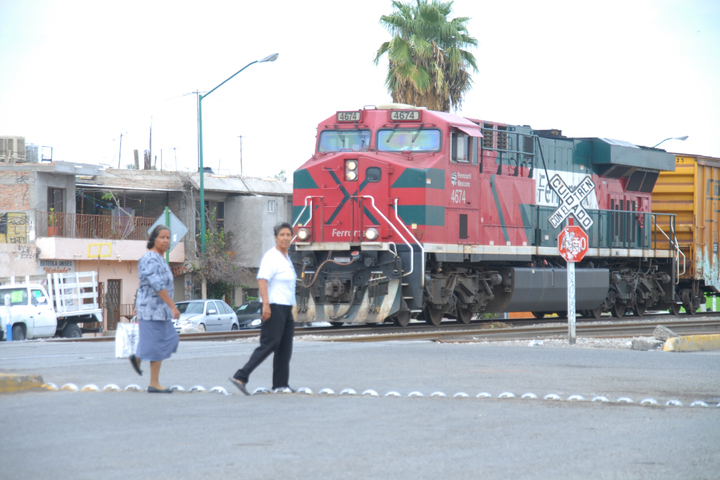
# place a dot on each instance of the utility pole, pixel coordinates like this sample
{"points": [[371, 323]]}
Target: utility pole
{"points": [[240, 137], [175, 151], [120, 152]]}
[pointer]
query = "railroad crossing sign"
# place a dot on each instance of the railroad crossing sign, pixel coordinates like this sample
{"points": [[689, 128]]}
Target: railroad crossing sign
{"points": [[573, 243], [177, 228], [571, 201]]}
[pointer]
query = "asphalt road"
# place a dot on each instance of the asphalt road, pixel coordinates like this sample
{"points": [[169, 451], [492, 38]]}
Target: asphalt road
{"points": [[194, 435]]}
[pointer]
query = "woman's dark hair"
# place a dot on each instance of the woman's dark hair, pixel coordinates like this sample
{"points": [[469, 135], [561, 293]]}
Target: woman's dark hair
{"points": [[277, 228], [154, 234]]}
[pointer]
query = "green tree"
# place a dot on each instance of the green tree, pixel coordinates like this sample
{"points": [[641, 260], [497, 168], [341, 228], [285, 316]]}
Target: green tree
{"points": [[218, 266], [429, 64]]}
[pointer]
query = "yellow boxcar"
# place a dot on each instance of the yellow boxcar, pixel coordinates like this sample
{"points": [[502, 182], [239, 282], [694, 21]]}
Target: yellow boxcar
{"points": [[692, 193]]}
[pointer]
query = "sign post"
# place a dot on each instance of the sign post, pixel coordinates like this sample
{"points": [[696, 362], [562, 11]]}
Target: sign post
{"points": [[573, 245], [177, 229]]}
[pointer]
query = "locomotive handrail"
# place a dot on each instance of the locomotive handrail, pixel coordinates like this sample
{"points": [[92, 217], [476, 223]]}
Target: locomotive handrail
{"points": [[422, 277], [301, 214], [372, 202], [675, 244]]}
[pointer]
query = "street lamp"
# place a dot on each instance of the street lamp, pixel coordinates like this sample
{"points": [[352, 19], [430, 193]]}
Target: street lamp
{"points": [[269, 58], [682, 139]]}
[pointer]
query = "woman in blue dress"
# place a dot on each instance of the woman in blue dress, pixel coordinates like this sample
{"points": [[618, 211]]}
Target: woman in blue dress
{"points": [[155, 309]]}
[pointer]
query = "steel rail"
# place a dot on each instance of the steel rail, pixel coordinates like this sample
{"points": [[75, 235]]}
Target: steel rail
{"points": [[449, 330]]}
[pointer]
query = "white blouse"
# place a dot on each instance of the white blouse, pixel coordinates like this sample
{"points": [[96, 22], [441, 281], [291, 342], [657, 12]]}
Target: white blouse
{"points": [[279, 272]]}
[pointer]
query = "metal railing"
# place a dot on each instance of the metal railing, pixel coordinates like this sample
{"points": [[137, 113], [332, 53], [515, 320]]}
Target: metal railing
{"points": [[77, 225]]}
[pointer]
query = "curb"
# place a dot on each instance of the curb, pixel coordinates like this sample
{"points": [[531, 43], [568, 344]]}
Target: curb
{"points": [[693, 343], [15, 383]]}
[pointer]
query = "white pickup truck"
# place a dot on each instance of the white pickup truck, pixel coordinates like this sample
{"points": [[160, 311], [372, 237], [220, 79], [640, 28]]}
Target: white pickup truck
{"points": [[52, 306]]}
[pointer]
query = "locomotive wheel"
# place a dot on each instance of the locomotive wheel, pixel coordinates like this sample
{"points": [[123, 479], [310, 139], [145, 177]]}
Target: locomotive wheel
{"points": [[336, 324], [538, 314], [597, 313], [464, 315], [690, 309], [561, 314], [639, 309], [618, 310], [674, 309], [402, 319], [433, 316]]}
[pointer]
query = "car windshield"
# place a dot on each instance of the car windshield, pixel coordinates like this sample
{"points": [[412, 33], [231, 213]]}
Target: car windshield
{"points": [[248, 308], [344, 140], [408, 140], [193, 307], [17, 296]]}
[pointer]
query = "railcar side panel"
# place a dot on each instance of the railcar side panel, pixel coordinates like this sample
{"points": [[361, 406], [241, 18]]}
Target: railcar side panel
{"points": [[692, 193]]}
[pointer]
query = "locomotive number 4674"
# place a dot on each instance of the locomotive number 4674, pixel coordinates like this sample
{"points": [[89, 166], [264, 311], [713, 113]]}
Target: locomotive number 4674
{"points": [[457, 196]]}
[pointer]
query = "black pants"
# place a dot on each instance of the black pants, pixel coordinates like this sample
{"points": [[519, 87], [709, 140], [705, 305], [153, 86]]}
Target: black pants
{"points": [[276, 336]]}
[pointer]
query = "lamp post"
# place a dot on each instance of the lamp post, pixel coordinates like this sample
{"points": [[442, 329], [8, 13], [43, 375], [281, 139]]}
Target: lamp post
{"points": [[269, 58], [682, 139]]}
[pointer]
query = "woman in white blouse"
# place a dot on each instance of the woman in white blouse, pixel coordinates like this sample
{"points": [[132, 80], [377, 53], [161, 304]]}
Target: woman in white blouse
{"points": [[276, 279]]}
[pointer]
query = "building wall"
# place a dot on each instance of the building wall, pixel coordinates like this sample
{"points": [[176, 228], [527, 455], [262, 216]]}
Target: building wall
{"points": [[252, 225], [17, 260], [49, 180], [17, 196]]}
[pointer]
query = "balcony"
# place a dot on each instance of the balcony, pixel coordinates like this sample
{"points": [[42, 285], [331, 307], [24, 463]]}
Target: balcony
{"points": [[106, 227]]}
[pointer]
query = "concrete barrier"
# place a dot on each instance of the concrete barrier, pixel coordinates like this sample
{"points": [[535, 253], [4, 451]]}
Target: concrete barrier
{"points": [[693, 343], [14, 383]]}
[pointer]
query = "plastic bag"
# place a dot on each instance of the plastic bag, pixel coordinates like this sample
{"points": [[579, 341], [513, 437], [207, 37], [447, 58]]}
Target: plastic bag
{"points": [[126, 339]]}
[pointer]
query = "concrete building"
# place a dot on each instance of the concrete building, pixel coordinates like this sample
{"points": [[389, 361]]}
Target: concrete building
{"points": [[66, 217]]}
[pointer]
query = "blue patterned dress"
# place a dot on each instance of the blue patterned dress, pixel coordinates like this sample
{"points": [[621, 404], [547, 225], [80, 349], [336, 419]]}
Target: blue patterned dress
{"points": [[157, 336]]}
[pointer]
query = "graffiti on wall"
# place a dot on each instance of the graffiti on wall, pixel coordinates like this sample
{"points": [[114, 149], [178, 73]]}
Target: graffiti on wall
{"points": [[22, 178], [13, 227], [25, 251]]}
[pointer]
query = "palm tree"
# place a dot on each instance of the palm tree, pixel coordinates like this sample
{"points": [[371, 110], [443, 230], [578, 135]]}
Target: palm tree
{"points": [[428, 61]]}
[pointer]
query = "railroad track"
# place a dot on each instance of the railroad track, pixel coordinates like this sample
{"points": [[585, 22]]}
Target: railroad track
{"points": [[509, 329]]}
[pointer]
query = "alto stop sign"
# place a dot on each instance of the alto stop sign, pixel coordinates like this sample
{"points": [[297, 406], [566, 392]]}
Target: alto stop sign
{"points": [[573, 243]]}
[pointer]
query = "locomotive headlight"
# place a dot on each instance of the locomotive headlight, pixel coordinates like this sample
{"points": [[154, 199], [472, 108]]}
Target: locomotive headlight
{"points": [[303, 234], [351, 167], [371, 234]]}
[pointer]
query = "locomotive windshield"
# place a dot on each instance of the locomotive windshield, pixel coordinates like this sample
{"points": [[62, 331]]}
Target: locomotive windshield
{"points": [[403, 140], [339, 140]]}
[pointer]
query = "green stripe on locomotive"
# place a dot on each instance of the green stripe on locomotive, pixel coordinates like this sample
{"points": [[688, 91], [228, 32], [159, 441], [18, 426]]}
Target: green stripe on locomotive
{"points": [[416, 178]]}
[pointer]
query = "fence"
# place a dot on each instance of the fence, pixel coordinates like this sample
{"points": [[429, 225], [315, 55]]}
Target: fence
{"points": [[78, 225]]}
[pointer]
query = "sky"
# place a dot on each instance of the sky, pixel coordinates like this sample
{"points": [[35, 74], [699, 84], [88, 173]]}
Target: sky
{"points": [[76, 75]]}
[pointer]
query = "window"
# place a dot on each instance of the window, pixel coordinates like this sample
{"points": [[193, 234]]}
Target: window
{"points": [[408, 140], [18, 296], [193, 307], [373, 174], [214, 215], [271, 206], [343, 140], [460, 147], [56, 200]]}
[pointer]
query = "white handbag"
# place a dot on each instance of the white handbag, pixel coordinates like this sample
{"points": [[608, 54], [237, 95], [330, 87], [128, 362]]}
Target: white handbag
{"points": [[126, 339]]}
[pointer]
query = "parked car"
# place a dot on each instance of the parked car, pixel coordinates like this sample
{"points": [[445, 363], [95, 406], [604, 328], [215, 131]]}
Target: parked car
{"points": [[205, 315], [249, 314]]}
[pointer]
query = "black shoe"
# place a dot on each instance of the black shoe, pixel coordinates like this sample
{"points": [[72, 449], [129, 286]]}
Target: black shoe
{"points": [[135, 364], [240, 385], [157, 390]]}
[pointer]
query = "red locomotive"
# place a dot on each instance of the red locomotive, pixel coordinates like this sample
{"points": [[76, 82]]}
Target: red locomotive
{"points": [[408, 213]]}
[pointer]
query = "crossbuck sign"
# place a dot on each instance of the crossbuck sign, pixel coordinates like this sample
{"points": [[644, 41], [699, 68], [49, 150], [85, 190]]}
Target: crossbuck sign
{"points": [[571, 201]]}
